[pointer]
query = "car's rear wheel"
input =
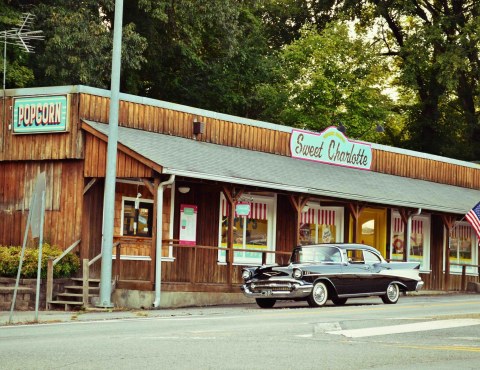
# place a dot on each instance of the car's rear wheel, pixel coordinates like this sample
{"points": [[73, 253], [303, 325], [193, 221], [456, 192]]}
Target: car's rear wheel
{"points": [[265, 302], [392, 294], [319, 295], [339, 301]]}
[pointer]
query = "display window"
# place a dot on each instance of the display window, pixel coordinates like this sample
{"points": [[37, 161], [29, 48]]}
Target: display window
{"points": [[462, 243], [321, 225], [253, 231], [419, 239], [137, 217]]}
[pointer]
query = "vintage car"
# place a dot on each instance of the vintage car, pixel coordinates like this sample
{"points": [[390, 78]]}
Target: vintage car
{"points": [[317, 273]]}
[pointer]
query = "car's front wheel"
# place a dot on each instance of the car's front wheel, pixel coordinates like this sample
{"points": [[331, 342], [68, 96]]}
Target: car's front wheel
{"points": [[392, 294], [319, 295], [265, 302], [339, 301]]}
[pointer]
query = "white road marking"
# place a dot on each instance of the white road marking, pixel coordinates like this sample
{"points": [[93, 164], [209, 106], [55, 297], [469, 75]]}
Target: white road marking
{"points": [[406, 328]]}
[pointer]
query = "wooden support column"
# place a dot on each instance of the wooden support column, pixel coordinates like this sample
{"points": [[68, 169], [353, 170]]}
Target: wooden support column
{"points": [[298, 202], [231, 195], [355, 210], [404, 214], [448, 222]]}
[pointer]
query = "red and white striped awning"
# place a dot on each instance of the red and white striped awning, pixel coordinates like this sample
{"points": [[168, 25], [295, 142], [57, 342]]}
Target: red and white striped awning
{"points": [[462, 232], [399, 227], [326, 217], [308, 217], [323, 217], [258, 210]]}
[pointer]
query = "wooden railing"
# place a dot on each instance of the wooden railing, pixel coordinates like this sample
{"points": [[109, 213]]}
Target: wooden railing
{"points": [[464, 275], [195, 248], [51, 264]]}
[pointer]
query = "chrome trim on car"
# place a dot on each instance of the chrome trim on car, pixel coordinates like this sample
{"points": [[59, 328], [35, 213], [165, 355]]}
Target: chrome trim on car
{"points": [[282, 289], [419, 285]]}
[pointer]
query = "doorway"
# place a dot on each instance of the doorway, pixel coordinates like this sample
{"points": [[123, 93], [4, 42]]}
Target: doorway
{"points": [[372, 229]]}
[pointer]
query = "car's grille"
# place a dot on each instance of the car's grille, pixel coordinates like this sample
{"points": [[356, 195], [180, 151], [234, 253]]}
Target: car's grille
{"points": [[275, 287]]}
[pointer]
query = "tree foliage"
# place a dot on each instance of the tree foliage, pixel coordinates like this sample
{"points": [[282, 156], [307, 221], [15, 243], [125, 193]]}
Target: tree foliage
{"points": [[436, 47], [286, 61], [330, 78]]}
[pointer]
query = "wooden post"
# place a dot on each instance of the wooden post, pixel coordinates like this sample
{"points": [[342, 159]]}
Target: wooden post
{"points": [[298, 202], [404, 214], [85, 284], [231, 199], [464, 277], [355, 210], [49, 282], [117, 263], [448, 221]]}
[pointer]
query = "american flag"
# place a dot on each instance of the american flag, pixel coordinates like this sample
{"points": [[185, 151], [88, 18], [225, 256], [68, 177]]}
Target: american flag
{"points": [[473, 217]]}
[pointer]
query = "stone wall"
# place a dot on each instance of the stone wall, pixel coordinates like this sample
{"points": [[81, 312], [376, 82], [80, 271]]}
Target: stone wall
{"points": [[26, 293]]}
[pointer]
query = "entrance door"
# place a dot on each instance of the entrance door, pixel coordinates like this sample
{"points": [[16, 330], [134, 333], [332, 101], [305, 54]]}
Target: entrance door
{"points": [[372, 226]]}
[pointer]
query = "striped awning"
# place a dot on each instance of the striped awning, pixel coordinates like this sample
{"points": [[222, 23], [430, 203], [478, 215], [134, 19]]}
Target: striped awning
{"points": [[258, 210], [399, 226]]}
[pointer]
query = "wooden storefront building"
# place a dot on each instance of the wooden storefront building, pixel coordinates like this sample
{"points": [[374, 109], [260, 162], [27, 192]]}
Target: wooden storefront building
{"points": [[185, 174]]}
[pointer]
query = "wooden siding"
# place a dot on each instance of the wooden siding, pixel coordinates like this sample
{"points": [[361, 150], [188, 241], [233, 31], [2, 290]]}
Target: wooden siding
{"points": [[62, 224], [96, 160], [92, 220], [171, 122], [68, 145]]}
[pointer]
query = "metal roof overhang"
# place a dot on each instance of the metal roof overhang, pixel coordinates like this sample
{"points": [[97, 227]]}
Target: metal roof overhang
{"points": [[201, 160]]}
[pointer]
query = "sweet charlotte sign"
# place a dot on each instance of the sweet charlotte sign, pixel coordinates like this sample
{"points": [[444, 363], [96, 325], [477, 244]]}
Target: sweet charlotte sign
{"points": [[332, 147], [40, 114]]}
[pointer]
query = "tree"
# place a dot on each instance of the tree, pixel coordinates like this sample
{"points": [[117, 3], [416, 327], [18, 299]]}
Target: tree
{"points": [[17, 73], [328, 78], [78, 43], [436, 46]]}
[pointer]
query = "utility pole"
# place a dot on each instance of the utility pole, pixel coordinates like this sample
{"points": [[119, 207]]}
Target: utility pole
{"points": [[111, 170]]}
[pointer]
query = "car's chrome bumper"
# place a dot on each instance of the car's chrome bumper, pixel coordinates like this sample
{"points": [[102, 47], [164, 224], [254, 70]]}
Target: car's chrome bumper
{"points": [[419, 285], [294, 290]]}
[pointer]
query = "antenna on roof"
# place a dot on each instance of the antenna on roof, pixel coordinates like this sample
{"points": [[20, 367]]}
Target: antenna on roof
{"points": [[21, 37]]}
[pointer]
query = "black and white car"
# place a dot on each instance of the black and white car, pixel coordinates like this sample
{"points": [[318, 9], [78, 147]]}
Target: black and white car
{"points": [[336, 272]]}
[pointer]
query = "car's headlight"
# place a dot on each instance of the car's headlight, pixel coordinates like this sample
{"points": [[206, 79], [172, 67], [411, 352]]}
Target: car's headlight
{"points": [[297, 273], [246, 274]]}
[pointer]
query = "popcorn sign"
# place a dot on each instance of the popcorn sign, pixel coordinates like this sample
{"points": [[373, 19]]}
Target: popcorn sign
{"points": [[40, 114]]}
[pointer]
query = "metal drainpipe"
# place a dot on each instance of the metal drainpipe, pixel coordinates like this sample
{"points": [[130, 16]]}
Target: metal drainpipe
{"points": [[409, 231], [158, 255]]}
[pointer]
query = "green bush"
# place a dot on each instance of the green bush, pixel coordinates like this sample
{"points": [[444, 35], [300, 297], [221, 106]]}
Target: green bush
{"points": [[10, 258]]}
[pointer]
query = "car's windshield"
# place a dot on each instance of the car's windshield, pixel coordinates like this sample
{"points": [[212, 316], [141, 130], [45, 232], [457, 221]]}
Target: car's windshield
{"points": [[316, 254]]}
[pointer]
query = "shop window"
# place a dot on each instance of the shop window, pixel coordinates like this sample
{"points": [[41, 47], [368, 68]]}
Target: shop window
{"points": [[419, 240], [463, 244], [321, 225], [137, 221], [252, 232]]}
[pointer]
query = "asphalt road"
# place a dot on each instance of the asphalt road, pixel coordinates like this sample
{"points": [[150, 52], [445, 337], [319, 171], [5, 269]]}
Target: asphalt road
{"points": [[420, 332]]}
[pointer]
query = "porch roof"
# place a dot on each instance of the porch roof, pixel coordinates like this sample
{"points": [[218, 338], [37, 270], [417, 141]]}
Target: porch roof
{"points": [[201, 160]]}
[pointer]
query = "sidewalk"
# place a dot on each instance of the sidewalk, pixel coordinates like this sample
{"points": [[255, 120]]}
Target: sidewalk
{"points": [[99, 314]]}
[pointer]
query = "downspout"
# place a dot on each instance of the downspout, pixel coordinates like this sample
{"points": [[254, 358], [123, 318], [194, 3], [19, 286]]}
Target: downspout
{"points": [[158, 254], [409, 232]]}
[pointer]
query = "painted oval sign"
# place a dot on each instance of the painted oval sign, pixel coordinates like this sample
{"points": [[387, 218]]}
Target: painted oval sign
{"points": [[332, 147]]}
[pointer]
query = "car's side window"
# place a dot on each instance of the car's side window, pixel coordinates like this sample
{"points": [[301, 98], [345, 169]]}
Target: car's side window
{"points": [[371, 257], [355, 256]]}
